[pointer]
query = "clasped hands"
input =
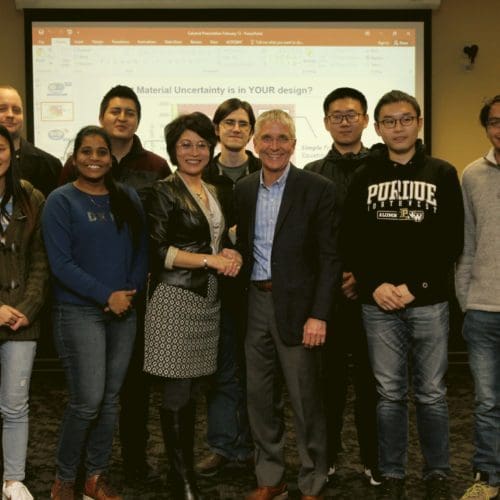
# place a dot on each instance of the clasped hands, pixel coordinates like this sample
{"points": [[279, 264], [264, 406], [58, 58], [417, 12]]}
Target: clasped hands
{"points": [[12, 317], [390, 297], [120, 301]]}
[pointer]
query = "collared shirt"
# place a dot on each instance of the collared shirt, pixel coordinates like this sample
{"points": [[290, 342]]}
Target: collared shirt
{"points": [[266, 214]]}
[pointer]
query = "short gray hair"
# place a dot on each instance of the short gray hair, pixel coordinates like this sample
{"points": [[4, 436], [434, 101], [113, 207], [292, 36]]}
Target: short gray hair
{"points": [[275, 115]]}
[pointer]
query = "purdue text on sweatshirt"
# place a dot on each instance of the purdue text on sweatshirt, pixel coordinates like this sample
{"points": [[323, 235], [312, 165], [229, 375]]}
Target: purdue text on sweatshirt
{"points": [[403, 224]]}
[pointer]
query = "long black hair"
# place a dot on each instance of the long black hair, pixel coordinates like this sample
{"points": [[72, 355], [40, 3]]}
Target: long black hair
{"points": [[13, 187], [124, 210]]}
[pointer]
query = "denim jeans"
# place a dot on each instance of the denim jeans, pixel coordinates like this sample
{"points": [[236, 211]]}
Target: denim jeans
{"points": [[95, 349], [16, 359], [228, 431], [482, 333], [417, 336]]}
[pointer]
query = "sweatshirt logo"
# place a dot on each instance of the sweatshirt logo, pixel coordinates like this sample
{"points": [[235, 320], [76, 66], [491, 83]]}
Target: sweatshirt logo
{"points": [[402, 200], [401, 214]]}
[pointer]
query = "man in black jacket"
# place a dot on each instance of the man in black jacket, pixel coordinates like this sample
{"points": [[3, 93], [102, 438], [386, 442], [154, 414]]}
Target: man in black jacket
{"points": [[228, 433], [36, 166], [345, 119]]}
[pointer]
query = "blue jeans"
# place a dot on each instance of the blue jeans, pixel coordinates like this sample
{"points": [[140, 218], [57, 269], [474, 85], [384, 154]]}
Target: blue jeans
{"points": [[16, 359], [481, 331], [95, 348], [228, 431], [419, 336]]}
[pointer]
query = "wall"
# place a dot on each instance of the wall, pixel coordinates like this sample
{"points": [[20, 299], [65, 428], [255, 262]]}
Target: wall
{"points": [[457, 94], [12, 67]]}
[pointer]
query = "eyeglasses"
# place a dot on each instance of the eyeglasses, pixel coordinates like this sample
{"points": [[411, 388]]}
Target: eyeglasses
{"points": [[404, 121], [338, 118], [188, 146], [230, 123], [493, 122], [269, 140]]}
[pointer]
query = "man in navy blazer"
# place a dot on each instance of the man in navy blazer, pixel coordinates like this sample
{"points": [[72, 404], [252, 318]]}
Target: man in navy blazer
{"points": [[286, 232]]}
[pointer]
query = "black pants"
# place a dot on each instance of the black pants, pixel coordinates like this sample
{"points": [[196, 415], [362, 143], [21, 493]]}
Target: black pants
{"points": [[134, 398], [346, 354]]}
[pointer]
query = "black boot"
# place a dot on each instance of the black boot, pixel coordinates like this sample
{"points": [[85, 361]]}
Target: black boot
{"points": [[178, 435]]}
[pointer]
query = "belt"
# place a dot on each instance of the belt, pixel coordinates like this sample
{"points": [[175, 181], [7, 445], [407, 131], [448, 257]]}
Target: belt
{"points": [[263, 285]]}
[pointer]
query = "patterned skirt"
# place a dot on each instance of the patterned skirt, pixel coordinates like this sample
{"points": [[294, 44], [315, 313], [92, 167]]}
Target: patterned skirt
{"points": [[182, 332]]}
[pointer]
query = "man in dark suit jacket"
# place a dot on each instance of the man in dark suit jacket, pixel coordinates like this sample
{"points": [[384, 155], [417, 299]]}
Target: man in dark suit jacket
{"points": [[286, 232]]}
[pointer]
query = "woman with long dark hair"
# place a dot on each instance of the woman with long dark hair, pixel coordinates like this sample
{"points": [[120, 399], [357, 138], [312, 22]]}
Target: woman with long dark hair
{"points": [[94, 234], [23, 280]]}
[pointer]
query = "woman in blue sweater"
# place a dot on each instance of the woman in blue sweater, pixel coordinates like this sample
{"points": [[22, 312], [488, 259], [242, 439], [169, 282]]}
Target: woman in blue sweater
{"points": [[95, 239]]}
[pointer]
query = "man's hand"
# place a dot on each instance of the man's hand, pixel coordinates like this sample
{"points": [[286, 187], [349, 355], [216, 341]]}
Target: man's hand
{"points": [[388, 297], [314, 333], [349, 286], [406, 296]]}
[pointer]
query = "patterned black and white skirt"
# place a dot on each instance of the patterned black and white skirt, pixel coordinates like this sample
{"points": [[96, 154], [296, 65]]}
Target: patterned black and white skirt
{"points": [[182, 332]]}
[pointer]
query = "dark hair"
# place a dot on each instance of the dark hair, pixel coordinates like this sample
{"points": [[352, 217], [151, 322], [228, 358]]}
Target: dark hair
{"points": [[13, 187], [345, 93], [122, 207], [396, 96], [484, 114], [196, 122], [227, 107], [125, 93]]}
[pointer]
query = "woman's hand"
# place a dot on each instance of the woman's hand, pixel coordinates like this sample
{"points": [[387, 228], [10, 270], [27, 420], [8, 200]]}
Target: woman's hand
{"points": [[11, 317], [120, 302], [227, 262]]}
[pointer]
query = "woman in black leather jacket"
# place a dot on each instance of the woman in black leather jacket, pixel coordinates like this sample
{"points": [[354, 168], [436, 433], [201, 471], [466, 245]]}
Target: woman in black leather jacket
{"points": [[182, 317]]}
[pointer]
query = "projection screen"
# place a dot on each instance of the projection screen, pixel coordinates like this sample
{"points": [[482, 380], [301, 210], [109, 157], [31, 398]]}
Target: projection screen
{"points": [[178, 66]]}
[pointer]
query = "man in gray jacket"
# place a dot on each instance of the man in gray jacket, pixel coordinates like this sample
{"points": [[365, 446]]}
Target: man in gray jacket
{"points": [[478, 291]]}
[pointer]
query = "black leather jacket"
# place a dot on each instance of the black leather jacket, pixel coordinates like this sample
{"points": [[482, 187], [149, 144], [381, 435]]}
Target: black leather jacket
{"points": [[175, 219]]}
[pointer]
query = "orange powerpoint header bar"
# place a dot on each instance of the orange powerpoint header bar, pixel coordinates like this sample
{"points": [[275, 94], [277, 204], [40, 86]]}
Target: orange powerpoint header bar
{"points": [[223, 36]]}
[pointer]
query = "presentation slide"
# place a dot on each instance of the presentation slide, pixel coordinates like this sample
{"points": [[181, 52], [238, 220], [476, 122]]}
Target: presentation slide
{"points": [[182, 67]]}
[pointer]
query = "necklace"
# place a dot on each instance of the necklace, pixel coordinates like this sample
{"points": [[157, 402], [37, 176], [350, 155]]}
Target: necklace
{"points": [[201, 194], [97, 204]]}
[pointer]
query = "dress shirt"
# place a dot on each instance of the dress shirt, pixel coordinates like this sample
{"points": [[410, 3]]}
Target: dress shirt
{"points": [[266, 214]]}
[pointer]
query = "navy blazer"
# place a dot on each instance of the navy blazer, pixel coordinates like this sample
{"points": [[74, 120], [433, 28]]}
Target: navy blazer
{"points": [[305, 264]]}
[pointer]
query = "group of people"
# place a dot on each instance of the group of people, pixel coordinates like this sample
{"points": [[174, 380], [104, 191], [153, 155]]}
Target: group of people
{"points": [[238, 274]]}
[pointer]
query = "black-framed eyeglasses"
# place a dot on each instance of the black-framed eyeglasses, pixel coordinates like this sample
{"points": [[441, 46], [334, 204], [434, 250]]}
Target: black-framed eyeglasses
{"points": [[404, 121], [338, 118]]}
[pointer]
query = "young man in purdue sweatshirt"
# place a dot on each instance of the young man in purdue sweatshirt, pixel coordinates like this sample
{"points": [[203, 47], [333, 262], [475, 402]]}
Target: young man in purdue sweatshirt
{"points": [[403, 230]]}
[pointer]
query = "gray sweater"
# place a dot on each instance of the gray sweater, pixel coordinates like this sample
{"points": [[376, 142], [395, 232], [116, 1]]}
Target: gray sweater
{"points": [[477, 276]]}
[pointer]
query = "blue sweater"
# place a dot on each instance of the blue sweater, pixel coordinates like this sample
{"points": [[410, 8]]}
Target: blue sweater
{"points": [[88, 256]]}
